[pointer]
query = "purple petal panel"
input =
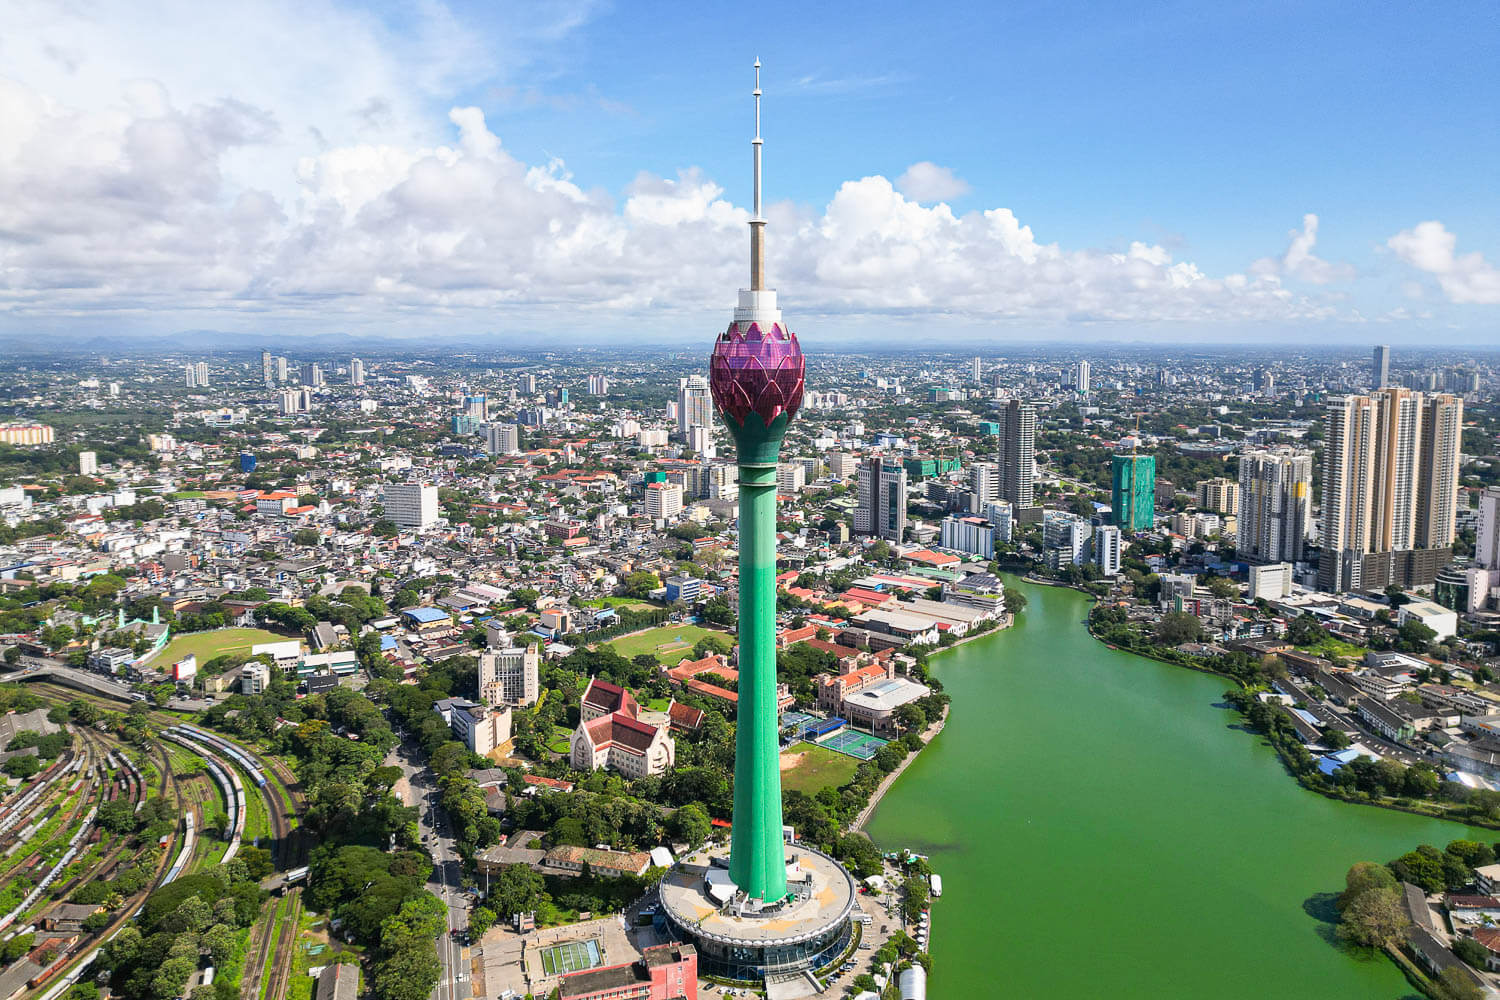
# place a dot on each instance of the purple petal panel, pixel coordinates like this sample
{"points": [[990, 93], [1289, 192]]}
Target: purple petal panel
{"points": [[757, 371]]}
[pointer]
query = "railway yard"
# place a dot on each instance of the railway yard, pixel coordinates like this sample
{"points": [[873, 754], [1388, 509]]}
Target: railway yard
{"points": [[62, 837]]}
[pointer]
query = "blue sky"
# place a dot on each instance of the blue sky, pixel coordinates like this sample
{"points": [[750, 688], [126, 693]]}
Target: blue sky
{"points": [[1150, 169]]}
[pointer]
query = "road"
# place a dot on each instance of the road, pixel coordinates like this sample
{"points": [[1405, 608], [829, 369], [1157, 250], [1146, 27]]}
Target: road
{"points": [[455, 982], [37, 668]]}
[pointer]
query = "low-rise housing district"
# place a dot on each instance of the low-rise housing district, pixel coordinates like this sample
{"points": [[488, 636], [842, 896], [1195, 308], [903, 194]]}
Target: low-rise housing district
{"points": [[1339, 525]]}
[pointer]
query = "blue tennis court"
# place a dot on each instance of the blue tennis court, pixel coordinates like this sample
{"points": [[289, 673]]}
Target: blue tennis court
{"points": [[861, 746]]}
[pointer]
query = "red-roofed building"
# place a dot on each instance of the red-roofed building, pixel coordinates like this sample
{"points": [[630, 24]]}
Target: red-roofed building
{"points": [[684, 718], [544, 782], [869, 598], [791, 636], [853, 677], [602, 698], [623, 744], [927, 557]]}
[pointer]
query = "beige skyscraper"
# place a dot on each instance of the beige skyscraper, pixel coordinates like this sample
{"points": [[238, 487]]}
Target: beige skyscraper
{"points": [[1390, 486], [1399, 438], [1437, 474], [1348, 482]]}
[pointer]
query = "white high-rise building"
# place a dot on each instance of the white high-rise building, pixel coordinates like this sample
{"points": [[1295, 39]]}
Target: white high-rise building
{"points": [[694, 403], [266, 374], [1107, 549], [790, 478], [970, 535], [1081, 378], [88, 463], [998, 513], [663, 501], [599, 385], [510, 676], [1275, 505], [1487, 541], [502, 439], [527, 385], [196, 375], [312, 375], [1065, 539], [700, 440], [356, 372], [842, 465], [976, 371], [281, 373], [411, 505], [984, 481]]}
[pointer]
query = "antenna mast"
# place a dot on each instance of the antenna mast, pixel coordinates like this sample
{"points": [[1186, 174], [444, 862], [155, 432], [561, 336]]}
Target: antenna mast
{"points": [[757, 224]]}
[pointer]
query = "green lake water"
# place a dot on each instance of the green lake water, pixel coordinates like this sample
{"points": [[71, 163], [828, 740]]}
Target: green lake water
{"points": [[1104, 829]]}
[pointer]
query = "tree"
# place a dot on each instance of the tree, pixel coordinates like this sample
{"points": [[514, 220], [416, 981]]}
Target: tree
{"points": [[1335, 738], [640, 584], [517, 889], [690, 825], [305, 536], [1454, 985], [1363, 877], [1471, 951], [712, 644], [1223, 588], [1375, 918], [1178, 627], [22, 767]]}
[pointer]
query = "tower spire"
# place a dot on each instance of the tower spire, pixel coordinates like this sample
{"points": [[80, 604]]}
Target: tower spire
{"points": [[757, 224]]}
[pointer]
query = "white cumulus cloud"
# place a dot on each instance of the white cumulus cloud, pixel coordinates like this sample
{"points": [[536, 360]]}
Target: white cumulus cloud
{"points": [[926, 181], [1465, 279], [1300, 262], [151, 173]]}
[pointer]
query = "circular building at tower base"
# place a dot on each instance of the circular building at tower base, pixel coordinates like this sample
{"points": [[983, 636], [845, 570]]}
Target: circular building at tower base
{"points": [[737, 939]]}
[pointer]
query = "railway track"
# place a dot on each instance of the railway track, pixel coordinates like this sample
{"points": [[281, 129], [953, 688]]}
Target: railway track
{"points": [[256, 954], [79, 956], [286, 944]]}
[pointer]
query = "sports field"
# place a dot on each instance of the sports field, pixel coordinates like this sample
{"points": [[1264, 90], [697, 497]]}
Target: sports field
{"points": [[570, 956], [669, 644], [861, 746], [807, 767], [207, 645]]}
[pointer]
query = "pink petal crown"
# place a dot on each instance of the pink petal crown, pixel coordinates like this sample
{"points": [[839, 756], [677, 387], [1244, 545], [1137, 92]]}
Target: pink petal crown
{"points": [[757, 371]]}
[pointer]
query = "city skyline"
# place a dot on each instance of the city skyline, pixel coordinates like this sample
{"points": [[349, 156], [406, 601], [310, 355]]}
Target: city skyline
{"points": [[439, 180]]}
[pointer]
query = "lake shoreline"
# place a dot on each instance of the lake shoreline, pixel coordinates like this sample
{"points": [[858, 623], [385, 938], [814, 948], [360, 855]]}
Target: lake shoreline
{"points": [[930, 734], [1393, 806], [1142, 741]]}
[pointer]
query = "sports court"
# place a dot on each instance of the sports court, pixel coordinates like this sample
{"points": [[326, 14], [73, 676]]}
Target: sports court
{"points": [[861, 746], [570, 956]]}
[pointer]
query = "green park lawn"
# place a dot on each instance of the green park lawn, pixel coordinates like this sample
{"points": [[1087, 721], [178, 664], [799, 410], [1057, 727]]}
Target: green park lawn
{"points": [[1331, 647], [819, 768], [207, 645], [662, 642], [561, 741]]}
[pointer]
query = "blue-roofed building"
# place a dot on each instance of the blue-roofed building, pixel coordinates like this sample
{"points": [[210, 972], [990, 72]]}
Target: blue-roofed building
{"points": [[1332, 762], [426, 619], [387, 643]]}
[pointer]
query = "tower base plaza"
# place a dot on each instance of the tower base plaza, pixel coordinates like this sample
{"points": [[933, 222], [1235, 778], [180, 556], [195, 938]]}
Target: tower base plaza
{"points": [[808, 931]]}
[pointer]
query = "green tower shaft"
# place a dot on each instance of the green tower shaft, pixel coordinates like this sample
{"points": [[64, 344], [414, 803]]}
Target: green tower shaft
{"points": [[757, 859]]}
